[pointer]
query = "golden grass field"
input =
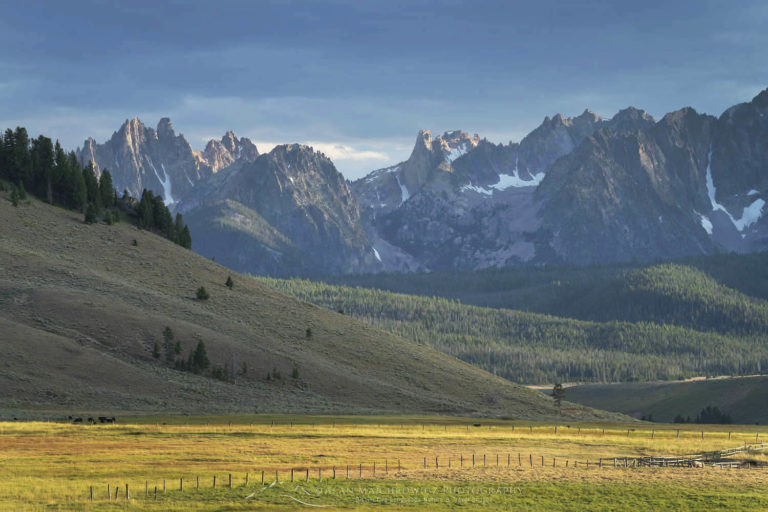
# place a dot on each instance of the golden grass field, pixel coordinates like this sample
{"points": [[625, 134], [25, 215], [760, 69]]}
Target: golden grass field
{"points": [[54, 465]]}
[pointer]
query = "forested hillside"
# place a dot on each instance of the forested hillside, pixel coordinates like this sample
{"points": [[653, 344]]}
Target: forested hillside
{"points": [[535, 348], [722, 293]]}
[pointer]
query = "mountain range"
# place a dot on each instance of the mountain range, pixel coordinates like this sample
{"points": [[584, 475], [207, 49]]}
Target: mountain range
{"points": [[582, 190]]}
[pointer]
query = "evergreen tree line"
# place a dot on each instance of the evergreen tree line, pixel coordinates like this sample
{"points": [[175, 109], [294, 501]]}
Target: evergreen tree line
{"points": [[721, 293], [154, 215], [709, 415], [44, 169]]}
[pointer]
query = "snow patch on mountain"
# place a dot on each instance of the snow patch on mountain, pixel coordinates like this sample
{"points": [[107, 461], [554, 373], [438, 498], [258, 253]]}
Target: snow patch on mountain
{"points": [[705, 222], [165, 182], [403, 191], [475, 188], [376, 253], [456, 152], [751, 213]]}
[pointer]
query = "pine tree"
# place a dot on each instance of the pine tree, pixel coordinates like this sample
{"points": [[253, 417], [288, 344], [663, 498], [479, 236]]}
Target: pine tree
{"points": [[168, 344], [185, 240], [42, 155], [156, 351], [92, 186], [75, 189], [229, 282], [14, 196], [202, 293], [106, 189], [558, 393], [90, 213], [200, 358], [20, 159]]}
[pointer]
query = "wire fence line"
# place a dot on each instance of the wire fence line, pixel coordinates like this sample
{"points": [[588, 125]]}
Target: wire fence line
{"points": [[399, 468]]}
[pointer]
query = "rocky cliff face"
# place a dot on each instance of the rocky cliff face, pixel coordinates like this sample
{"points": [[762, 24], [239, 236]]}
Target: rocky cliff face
{"points": [[582, 190], [461, 201], [161, 161], [289, 212]]}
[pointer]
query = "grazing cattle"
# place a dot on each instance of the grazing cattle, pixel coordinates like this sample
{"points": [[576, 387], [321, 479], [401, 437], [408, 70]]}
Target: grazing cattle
{"points": [[102, 419], [698, 464], [91, 421], [77, 420], [111, 420]]}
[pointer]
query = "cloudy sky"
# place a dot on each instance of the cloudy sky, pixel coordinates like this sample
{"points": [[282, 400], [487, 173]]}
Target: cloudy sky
{"points": [[358, 79]]}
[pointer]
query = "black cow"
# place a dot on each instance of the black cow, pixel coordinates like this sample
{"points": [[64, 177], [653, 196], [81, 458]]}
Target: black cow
{"points": [[77, 420]]}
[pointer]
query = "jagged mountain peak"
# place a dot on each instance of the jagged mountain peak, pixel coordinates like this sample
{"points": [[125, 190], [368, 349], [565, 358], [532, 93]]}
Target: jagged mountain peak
{"points": [[761, 100], [165, 127], [630, 119]]}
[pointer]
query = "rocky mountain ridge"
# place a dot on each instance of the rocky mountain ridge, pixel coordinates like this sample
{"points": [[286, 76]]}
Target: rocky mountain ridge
{"points": [[579, 190]]}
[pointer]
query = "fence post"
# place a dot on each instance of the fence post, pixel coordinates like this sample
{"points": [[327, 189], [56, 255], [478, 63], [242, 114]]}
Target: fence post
{"points": [[291, 474], [334, 472], [127, 494], [230, 480], [91, 493], [361, 470], [214, 481], [553, 461], [437, 465], [519, 459], [163, 485], [347, 471], [484, 460], [246, 479], [319, 474], [530, 459], [198, 482], [155, 493], [497, 459], [306, 475], [181, 484], [262, 477], [542, 461]]}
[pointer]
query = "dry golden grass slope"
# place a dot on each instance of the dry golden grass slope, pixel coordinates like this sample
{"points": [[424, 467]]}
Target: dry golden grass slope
{"points": [[81, 308]]}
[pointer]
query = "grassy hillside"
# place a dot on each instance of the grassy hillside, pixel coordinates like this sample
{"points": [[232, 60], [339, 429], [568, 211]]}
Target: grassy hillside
{"points": [[536, 348], [82, 307], [742, 398]]}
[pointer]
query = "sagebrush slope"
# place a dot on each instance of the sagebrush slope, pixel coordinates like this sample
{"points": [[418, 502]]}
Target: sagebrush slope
{"points": [[82, 306]]}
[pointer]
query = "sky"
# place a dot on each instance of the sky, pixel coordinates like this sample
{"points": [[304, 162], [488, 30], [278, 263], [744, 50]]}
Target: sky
{"points": [[358, 79]]}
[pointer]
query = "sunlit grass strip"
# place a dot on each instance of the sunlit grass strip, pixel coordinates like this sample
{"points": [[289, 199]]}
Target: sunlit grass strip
{"points": [[49, 463]]}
